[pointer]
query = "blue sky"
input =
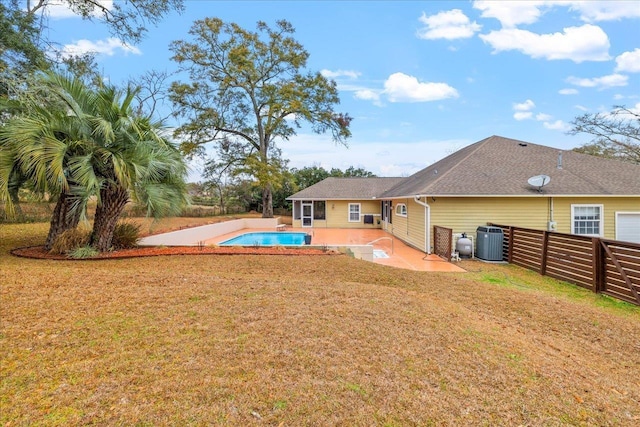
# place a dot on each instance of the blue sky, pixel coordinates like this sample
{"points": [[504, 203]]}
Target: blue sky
{"points": [[422, 79]]}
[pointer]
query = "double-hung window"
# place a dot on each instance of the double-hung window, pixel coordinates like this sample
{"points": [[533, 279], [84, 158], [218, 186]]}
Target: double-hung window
{"points": [[354, 212], [587, 220]]}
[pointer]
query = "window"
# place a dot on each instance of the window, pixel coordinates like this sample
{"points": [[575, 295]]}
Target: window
{"points": [[401, 209], [296, 209], [587, 220], [318, 209], [354, 212]]}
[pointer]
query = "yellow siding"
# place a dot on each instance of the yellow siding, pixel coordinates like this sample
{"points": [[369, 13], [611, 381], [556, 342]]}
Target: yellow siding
{"points": [[409, 229], [466, 214], [562, 211], [337, 215]]}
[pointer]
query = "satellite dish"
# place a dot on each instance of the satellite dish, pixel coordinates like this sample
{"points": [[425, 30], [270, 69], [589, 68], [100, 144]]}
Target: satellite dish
{"points": [[539, 181]]}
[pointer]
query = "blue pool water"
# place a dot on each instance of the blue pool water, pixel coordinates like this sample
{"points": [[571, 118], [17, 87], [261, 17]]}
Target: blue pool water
{"points": [[266, 239]]}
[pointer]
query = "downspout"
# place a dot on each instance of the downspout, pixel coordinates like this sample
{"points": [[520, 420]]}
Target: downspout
{"points": [[551, 226], [427, 222]]}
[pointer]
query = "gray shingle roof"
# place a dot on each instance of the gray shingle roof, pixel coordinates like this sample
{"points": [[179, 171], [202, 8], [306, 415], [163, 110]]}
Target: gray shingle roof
{"points": [[346, 188], [495, 166], [502, 166]]}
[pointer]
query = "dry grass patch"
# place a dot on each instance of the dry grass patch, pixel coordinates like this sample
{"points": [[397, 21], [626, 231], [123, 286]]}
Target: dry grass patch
{"points": [[277, 340]]}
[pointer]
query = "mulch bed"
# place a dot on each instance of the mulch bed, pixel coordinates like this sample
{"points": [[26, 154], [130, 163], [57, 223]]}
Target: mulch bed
{"points": [[39, 252]]}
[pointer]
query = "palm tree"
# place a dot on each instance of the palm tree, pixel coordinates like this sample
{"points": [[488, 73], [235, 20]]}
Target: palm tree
{"points": [[141, 166], [90, 142], [34, 144]]}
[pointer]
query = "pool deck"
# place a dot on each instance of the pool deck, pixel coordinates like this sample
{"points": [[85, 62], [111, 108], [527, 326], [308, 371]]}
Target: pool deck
{"points": [[400, 254]]}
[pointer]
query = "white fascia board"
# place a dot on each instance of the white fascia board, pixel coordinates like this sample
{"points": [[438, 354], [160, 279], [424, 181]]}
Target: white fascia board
{"points": [[510, 195]]}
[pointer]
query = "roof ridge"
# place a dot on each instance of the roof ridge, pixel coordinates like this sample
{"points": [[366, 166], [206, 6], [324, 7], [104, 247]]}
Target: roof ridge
{"points": [[457, 164], [365, 177]]}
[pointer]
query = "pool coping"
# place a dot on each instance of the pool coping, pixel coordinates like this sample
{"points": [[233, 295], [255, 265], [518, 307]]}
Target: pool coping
{"points": [[276, 233], [195, 236], [348, 241]]}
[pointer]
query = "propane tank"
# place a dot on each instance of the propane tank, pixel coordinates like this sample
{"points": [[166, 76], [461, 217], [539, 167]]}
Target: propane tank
{"points": [[464, 246]]}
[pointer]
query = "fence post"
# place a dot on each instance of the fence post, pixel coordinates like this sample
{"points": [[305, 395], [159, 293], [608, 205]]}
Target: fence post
{"points": [[510, 250], [598, 265], [543, 255]]}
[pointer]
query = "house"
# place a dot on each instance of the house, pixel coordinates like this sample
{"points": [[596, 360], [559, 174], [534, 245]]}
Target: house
{"points": [[489, 181], [341, 203]]}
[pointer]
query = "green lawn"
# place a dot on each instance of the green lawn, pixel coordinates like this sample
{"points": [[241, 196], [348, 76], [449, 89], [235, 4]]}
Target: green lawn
{"points": [[305, 340]]}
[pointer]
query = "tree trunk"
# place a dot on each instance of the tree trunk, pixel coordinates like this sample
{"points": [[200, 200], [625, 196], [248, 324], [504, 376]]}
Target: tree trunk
{"points": [[112, 202], [63, 219], [222, 204], [267, 202]]}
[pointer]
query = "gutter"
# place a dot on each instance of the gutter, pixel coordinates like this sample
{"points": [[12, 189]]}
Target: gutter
{"points": [[427, 222]]}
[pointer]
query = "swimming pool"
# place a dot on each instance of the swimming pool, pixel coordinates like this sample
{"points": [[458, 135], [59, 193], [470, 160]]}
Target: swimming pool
{"points": [[266, 239]]}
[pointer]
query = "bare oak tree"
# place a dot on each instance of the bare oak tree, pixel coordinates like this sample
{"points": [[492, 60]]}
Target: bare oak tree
{"points": [[616, 134]]}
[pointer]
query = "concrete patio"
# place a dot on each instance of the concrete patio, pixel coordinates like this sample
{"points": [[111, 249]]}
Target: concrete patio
{"points": [[370, 244]]}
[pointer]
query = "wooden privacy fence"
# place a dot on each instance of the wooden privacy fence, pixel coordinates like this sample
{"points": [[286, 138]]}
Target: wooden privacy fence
{"points": [[442, 242], [605, 266]]}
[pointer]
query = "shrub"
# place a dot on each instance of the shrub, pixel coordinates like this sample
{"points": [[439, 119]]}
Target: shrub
{"points": [[84, 252], [70, 240], [125, 235], [199, 211], [27, 212], [134, 210]]}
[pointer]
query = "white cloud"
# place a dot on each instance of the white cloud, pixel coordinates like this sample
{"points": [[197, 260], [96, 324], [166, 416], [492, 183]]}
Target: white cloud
{"points": [[618, 96], [557, 125], [581, 108], [524, 111], [367, 94], [635, 109], [578, 44], [604, 82], [450, 25], [58, 9], [568, 91], [102, 47], [632, 115], [340, 73], [377, 156], [629, 61], [400, 87], [510, 13], [524, 106], [522, 115], [513, 13], [592, 11]]}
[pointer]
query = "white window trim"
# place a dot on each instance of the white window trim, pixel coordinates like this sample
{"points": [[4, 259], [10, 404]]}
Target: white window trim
{"points": [[399, 213], [588, 205], [349, 212]]}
